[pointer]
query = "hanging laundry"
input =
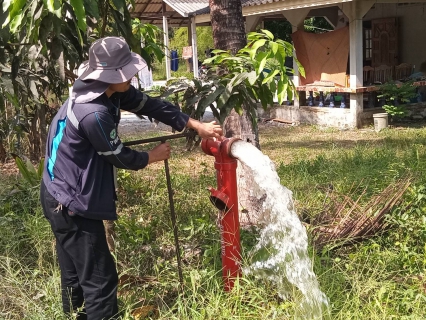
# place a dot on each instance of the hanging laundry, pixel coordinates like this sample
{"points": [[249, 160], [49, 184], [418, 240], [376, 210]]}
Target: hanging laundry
{"points": [[187, 52], [175, 60]]}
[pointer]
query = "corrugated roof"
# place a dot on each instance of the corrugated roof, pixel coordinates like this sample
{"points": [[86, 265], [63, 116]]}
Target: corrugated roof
{"points": [[186, 7], [245, 3], [177, 11]]}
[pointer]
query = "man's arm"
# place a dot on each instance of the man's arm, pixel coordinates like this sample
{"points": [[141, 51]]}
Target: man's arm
{"points": [[140, 103], [99, 128]]}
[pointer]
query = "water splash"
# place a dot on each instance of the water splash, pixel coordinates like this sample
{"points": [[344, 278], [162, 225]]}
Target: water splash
{"points": [[281, 254]]}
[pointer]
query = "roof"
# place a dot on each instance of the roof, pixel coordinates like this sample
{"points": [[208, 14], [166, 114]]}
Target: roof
{"points": [[177, 11], [187, 7], [244, 3]]}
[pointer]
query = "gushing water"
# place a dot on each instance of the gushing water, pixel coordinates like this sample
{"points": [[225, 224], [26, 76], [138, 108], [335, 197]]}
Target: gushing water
{"points": [[281, 254]]}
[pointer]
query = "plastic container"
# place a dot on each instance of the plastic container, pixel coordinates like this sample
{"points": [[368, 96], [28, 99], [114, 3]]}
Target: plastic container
{"points": [[380, 121]]}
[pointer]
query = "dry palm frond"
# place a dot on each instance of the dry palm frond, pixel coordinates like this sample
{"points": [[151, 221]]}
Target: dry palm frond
{"points": [[345, 220]]}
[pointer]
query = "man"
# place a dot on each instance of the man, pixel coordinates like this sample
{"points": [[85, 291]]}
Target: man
{"points": [[77, 190]]}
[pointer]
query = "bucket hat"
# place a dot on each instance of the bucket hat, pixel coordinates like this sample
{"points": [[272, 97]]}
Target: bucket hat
{"points": [[111, 61]]}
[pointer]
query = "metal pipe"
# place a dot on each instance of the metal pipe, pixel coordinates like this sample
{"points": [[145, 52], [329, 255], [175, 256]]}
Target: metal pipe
{"points": [[163, 139], [225, 198], [160, 139], [174, 225]]}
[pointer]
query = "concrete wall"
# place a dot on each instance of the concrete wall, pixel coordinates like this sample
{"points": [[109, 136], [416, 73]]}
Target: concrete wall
{"points": [[330, 117], [333, 117], [412, 28]]}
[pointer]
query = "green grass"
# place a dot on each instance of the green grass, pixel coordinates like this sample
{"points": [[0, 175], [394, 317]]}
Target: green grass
{"points": [[159, 71], [379, 278]]}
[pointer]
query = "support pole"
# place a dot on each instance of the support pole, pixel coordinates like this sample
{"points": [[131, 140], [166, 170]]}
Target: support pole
{"points": [[166, 42], [297, 21], [194, 47], [355, 11]]}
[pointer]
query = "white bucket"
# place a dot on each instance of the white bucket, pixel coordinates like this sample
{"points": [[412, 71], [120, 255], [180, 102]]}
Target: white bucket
{"points": [[380, 121]]}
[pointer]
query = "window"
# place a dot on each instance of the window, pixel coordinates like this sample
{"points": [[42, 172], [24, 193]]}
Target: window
{"points": [[368, 44]]}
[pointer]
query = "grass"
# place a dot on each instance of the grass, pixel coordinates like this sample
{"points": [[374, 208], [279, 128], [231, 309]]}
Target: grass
{"points": [[379, 278], [159, 71]]}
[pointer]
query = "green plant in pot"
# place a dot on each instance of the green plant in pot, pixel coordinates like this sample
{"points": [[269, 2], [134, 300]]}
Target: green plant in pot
{"points": [[396, 97]]}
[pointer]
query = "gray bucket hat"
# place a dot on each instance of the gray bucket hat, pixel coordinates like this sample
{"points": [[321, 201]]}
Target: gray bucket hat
{"points": [[111, 61]]}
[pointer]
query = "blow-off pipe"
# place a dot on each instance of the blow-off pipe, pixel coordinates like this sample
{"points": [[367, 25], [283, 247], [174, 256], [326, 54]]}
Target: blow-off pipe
{"points": [[225, 198]]}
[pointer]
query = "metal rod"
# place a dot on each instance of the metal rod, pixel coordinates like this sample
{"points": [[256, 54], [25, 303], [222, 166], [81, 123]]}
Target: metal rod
{"points": [[158, 139], [170, 192], [173, 216]]}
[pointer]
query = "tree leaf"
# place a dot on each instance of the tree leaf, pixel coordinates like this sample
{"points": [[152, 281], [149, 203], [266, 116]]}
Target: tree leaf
{"points": [[54, 6], [268, 34], [24, 170], [261, 58], [46, 25], [6, 4], [16, 9], [119, 6], [270, 76], [208, 100], [80, 13], [16, 22], [216, 113], [239, 78], [274, 47], [255, 46], [91, 8], [252, 77], [300, 68], [56, 48]]}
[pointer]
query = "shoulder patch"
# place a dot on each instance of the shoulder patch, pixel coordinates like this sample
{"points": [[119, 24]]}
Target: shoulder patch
{"points": [[113, 134]]}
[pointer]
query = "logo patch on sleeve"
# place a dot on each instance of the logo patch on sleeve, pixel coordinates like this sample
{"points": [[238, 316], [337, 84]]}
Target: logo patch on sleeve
{"points": [[113, 134]]}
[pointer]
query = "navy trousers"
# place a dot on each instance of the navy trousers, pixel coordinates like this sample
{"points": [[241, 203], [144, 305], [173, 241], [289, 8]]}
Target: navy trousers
{"points": [[88, 273]]}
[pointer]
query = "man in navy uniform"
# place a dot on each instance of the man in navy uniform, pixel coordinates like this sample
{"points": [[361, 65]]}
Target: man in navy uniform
{"points": [[77, 191]]}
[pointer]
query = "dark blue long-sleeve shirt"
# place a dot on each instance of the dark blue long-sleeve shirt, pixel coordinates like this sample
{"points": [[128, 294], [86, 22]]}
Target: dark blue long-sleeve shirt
{"points": [[83, 146]]}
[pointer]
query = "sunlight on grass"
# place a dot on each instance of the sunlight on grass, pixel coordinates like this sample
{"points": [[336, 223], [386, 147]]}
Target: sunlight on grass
{"points": [[378, 278]]}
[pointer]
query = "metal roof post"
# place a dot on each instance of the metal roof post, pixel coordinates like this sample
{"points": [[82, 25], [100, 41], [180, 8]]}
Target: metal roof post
{"points": [[194, 47], [166, 42]]}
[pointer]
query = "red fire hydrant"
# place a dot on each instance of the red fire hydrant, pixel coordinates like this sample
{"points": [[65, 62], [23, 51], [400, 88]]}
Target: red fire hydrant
{"points": [[226, 200]]}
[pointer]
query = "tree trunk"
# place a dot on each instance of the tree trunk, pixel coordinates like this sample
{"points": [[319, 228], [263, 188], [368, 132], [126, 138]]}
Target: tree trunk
{"points": [[2, 152], [229, 34], [43, 128], [228, 25], [34, 137]]}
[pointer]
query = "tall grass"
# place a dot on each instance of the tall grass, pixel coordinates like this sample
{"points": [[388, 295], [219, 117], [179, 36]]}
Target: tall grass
{"points": [[379, 278]]}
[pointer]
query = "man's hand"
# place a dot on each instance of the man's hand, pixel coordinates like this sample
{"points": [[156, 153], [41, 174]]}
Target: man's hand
{"points": [[206, 129], [159, 153]]}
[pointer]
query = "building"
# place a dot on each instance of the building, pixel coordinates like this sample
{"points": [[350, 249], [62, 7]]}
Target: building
{"points": [[386, 40]]}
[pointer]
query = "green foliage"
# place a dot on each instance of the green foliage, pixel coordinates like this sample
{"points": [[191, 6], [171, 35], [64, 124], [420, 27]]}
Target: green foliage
{"points": [[149, 35], [31, 175], [397, 96], [204, 40], [410, 220], [42, 43], [242, 79]]}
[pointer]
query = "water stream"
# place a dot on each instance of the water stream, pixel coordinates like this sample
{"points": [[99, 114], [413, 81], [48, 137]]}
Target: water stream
{"points": [[280, 255]]}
